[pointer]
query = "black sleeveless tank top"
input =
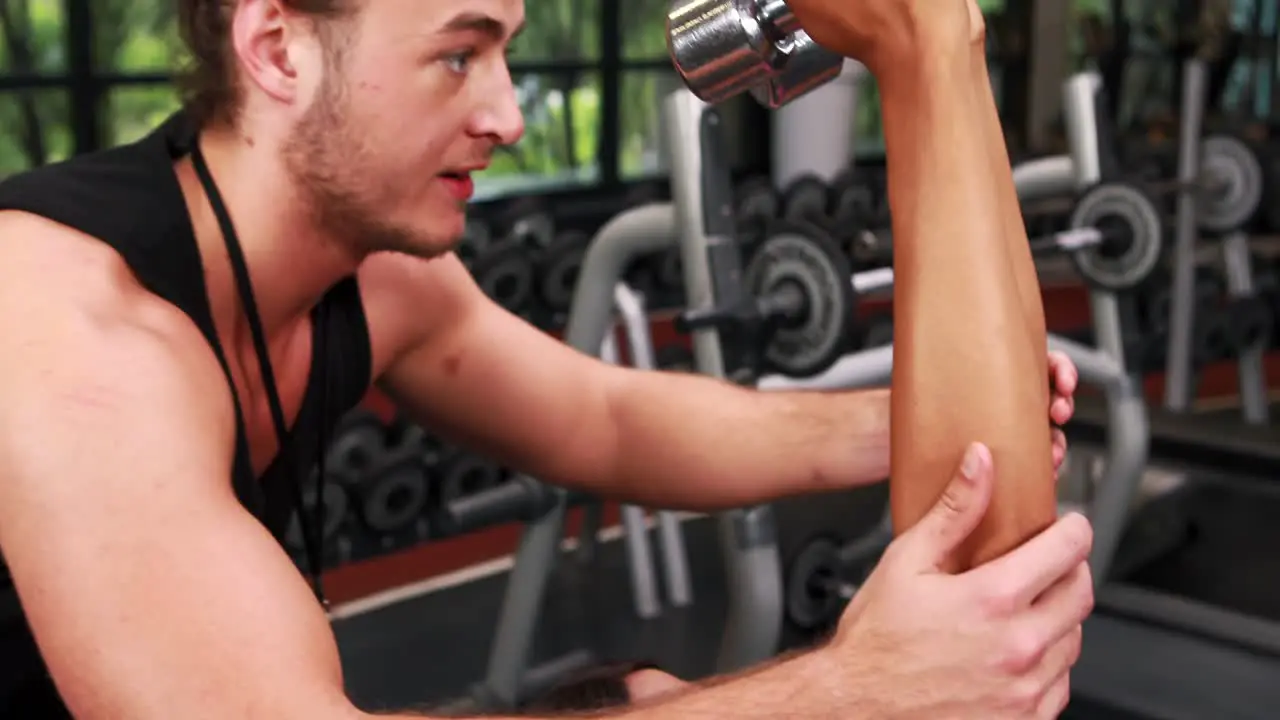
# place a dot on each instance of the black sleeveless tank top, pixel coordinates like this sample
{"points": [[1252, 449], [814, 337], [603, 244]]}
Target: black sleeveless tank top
{"points": [[129, 198]]}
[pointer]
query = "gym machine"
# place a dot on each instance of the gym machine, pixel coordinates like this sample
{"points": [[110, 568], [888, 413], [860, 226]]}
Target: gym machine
{"points": [[1148, 652], [702, 37]]}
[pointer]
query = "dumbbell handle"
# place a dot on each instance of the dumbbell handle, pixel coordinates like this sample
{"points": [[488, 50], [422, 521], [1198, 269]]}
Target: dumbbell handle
{"points": [[776, 16], [521, 498]]}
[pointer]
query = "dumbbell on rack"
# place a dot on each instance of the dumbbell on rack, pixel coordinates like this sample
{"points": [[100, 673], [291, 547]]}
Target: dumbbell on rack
{"points": [[1229, 189], [796, 317], [1116, 237], [330, 498]]}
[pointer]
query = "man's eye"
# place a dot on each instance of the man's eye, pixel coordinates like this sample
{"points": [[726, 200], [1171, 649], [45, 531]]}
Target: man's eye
{"points": [[458, 62]]}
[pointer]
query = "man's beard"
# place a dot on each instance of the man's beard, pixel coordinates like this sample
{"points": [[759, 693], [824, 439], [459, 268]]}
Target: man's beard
{"points": [[325, 161]]}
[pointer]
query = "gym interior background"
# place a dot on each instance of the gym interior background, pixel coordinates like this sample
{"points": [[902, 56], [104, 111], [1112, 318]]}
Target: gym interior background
{"points": [[1188, 624]]}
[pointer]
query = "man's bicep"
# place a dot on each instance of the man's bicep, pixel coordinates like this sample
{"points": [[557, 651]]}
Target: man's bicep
{"points": [[151, 593]]}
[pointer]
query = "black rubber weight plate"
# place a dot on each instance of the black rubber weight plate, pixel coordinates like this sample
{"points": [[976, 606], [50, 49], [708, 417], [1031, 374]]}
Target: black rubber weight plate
{"points": [[802, 254]]}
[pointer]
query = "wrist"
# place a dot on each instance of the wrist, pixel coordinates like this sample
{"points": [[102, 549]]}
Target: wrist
{"points": [[933, 72], [858, 451]]}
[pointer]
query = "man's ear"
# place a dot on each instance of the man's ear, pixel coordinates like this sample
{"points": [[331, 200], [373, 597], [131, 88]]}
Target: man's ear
{"points": [[264, 39]]}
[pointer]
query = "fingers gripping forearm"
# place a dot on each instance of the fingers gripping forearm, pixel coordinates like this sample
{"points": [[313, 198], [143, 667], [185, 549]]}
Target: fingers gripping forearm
{"points": [[969, 365]]}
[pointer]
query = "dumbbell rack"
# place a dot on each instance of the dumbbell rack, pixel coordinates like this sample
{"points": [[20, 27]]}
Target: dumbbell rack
{"points": [[1180, 380]]}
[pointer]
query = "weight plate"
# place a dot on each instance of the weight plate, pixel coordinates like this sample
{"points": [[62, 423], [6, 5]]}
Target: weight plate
{"points": [[475, 239], [803, 255], [1118, 265], [536, 230], [464, 474], [559, 269], [1211, 339], [812, 600], [395, 496], [335, 511], [757, 202], [806, 198], [1249, 324], [854, 203], [360, 443], [1233, 173], [505, 273], [416, 439]]}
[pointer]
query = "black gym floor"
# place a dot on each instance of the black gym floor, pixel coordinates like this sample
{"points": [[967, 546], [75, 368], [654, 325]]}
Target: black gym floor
{"points": [[428, 649]]}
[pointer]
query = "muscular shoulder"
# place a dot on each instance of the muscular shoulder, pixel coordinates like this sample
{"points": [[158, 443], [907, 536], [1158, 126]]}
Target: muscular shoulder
{"points": [[72, 307], [409, 300]]}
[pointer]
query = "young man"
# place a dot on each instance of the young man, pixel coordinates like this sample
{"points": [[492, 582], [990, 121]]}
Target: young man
{"points": [[186, 318]]}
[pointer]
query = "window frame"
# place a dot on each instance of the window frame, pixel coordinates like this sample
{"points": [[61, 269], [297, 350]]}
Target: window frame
{"points": [[87, 86]]}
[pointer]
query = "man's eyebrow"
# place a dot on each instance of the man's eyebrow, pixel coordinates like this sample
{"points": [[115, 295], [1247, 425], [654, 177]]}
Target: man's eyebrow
{"points": [[483, 24]]}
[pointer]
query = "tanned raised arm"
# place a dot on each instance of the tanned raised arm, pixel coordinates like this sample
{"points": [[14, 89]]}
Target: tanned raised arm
{"points": [[970, 359]]}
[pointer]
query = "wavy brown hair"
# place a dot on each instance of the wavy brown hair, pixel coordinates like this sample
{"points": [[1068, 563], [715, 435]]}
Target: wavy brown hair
{"points": [[210, 86]]}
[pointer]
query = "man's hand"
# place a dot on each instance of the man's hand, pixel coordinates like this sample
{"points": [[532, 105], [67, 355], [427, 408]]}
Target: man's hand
{"points": [[997, 641], [1063, 380]]}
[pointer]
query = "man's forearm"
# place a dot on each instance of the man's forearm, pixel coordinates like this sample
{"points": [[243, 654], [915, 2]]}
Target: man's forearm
{"points": [[807, 685], [691, 442]]}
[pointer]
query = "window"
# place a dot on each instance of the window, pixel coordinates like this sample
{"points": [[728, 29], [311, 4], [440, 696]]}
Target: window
{"points": [[561, 139], [33, 129], [133, 111], [644, 29], [641, 151], [590, 77], [132, 37], [558, 31], [32, 34]]}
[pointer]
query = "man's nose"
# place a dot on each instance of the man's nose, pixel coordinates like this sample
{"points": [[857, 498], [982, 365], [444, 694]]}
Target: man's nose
{"points": [[500, 117]]}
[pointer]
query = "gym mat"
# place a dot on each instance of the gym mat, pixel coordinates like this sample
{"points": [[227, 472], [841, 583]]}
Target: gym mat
{"points": [[431, 648]]}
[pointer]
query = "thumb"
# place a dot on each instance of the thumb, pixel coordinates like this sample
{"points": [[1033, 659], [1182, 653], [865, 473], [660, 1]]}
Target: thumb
{"points": [[957, 512]]}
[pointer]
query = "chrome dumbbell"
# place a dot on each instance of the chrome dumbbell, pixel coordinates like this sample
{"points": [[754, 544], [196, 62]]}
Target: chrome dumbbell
{"points": [[725, 47]]}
